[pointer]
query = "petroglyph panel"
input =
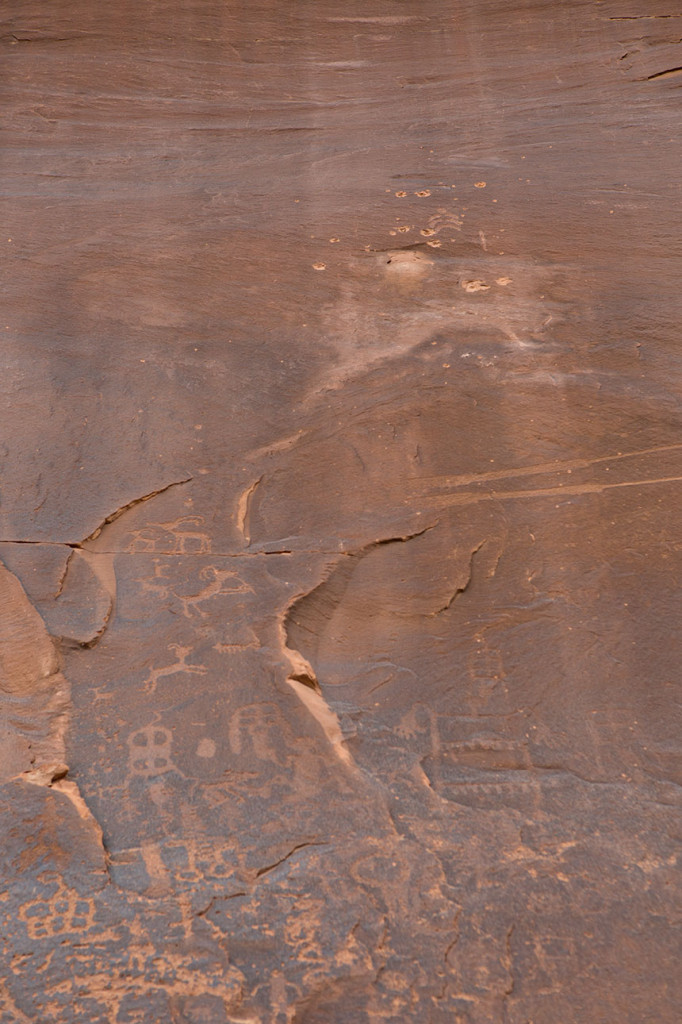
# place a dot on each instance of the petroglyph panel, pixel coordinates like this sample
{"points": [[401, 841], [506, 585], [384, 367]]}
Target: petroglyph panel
{"points": [[339, 513]]}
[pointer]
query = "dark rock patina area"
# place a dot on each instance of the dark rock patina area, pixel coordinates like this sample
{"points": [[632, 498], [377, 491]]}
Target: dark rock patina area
{"points": [[340, 518]]}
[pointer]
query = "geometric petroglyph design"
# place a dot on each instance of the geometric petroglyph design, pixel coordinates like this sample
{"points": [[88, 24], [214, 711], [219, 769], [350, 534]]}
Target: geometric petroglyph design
{"points": [[64, 912], [150, 751], [200, 988], [487, 674], [485, 664], [444, 219], [242, 643]]}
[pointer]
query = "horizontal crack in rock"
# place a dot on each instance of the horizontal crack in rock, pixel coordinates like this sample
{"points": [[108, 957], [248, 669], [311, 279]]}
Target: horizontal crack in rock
{"points": [[105, 522], [665, 74]]}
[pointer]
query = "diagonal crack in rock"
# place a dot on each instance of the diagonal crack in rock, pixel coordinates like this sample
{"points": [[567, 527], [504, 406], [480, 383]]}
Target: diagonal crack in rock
{"points": [[302, 677]]}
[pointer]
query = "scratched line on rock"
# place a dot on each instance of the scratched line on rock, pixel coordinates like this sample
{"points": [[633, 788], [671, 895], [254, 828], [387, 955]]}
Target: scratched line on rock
{"points": [[541, 468], [570, 490]]}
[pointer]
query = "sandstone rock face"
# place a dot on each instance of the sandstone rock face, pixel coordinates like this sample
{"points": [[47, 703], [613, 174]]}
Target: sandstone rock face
{"points": [[340, 512]]}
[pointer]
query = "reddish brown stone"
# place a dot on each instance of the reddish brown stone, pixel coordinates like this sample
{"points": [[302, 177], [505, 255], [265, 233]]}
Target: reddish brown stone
{"points": [[339, 512]]}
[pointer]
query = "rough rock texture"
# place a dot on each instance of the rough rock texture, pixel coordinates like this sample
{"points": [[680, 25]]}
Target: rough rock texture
{"points": [[340, 512]]}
